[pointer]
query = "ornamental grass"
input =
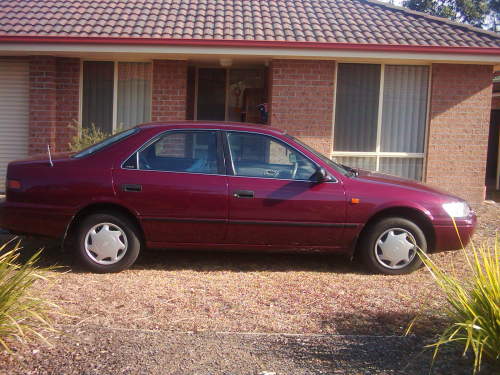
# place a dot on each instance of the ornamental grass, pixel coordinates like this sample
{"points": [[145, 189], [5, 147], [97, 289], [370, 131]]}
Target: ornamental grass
{"points": [[22, 315], [473, 304]]}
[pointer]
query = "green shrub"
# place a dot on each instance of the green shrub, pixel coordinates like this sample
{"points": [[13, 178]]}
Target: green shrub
{"points": [[473, 304], [21, 314], [86, 137]]}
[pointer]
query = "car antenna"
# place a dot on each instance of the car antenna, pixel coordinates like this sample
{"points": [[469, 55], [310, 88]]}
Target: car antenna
{"points": [[50, 156]]}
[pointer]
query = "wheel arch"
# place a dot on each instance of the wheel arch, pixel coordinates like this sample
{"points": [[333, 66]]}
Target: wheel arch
{"points": [[406, 212], [100, 207]]}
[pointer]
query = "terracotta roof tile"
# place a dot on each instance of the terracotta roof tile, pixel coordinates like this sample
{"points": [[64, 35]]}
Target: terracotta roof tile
{"points": [[334, 21]]}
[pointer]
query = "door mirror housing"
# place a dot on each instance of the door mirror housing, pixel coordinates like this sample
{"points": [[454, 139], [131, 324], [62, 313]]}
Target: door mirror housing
{"points": [[322, 175]]}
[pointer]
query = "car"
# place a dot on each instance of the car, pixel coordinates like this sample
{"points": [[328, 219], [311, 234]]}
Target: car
{"points": [[225, 186]]}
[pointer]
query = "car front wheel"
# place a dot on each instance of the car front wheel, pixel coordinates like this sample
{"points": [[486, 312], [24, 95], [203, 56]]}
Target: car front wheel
{"points": [[107, 243], [390, 246]]}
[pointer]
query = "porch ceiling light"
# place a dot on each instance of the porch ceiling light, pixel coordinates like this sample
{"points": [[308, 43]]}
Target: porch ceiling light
{"points": [[226, 63]]}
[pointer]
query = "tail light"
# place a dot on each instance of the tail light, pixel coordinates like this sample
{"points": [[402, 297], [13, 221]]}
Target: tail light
{"points": [[13, 184]]}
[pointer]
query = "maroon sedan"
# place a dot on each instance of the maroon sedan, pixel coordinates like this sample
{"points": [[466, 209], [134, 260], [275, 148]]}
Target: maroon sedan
{"points": [[194, 185]]}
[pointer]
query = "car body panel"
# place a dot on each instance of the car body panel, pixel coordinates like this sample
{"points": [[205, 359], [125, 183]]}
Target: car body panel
{"points": [[176, 207], [286, 212]]}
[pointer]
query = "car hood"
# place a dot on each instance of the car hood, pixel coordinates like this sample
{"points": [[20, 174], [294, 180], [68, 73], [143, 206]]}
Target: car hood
{"points": [[395, 181]]}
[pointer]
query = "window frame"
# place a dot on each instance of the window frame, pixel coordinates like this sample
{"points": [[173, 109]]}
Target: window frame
{"points": [[377, 154], [221, 163], [116, 63]]}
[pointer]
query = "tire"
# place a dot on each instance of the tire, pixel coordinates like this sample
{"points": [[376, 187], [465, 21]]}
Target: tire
{"points": [[107, 243], [386, 246]]}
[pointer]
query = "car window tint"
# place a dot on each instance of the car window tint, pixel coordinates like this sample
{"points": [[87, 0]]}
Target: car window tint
{"points": [[255, 155], [183, 151]]}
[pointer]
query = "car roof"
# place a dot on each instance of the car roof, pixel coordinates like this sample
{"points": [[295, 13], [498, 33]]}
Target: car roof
{"points": [[222, 125]]}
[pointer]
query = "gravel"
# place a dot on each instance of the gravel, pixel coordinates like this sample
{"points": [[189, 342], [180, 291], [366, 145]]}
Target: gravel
{"points": [[94, 350], [227, 313]]}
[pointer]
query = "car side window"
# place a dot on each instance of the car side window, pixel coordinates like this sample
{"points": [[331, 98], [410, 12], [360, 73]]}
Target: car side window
{"points": [[182, 151], [257, 155]]}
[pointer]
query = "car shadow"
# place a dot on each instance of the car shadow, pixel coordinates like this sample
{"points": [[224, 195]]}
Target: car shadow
{"points": [[202, 261], [205, 261]]}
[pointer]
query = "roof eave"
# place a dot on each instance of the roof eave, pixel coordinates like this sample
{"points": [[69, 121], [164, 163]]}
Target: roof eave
{"points": [[253, 43]]}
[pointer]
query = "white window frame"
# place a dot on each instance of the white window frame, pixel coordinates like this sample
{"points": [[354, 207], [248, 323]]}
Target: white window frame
{"points": [[377, 154], [115, 90]]}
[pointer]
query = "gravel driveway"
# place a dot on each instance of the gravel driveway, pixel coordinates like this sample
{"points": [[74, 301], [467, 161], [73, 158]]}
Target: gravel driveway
{"points": [[226, 313]]}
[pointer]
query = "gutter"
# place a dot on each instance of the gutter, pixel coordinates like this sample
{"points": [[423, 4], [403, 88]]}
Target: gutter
{"points": [[495, 51]]}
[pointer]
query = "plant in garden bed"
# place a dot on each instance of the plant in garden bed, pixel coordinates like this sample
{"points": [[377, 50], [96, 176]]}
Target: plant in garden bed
{"points": [[22, 315], [85, 137], [473, 306]]}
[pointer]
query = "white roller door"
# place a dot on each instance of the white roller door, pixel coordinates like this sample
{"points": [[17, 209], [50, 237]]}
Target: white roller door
{"points": [[14, 114]]}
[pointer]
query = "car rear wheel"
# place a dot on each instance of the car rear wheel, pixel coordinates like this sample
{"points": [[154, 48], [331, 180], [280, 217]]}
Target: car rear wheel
{"points": [[107, 243], [390, 246]]}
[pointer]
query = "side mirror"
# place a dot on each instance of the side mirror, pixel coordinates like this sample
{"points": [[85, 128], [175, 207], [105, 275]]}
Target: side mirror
{"points": [[322, 175]]}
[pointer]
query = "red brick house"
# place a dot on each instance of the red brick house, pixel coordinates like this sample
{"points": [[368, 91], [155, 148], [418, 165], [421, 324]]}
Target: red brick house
{"points": [[366, 83]]}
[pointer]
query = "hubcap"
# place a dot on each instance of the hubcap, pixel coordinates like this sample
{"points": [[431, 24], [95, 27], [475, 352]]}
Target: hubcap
{"points": [[106, 243], [395, 248]]}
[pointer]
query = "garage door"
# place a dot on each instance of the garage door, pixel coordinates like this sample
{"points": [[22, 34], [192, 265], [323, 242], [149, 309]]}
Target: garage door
{"points": [[14, 112]]}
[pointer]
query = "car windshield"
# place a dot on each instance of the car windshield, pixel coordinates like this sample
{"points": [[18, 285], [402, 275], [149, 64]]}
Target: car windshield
{"points": [[105, 143], [346, 171]]}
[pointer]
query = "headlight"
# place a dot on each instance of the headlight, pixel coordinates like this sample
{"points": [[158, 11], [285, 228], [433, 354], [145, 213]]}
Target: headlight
{"points": [[457, 209]]}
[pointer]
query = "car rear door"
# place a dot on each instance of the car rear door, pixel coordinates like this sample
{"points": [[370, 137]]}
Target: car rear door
{"points": [[177, 185], [272, 199]]}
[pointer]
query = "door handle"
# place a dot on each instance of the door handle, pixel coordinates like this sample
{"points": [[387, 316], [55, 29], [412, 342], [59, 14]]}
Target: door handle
{"points": [[243, 194], [132, 187]]}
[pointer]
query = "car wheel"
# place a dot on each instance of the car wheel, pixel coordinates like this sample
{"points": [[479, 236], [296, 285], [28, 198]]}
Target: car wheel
{"points": [[107, 243], [390, 245]]}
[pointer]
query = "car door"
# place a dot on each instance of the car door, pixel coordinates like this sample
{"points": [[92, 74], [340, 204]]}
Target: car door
{"points": [[175, 184], [273, 199]]}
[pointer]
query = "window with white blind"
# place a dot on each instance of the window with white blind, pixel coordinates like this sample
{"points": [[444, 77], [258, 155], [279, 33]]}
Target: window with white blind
{"points": [[116, 95], [380, 117]]}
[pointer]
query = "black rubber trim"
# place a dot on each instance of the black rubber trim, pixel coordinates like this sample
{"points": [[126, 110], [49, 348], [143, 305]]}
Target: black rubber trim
{"points": [[294, 224], [182, 220], [252, 222]]}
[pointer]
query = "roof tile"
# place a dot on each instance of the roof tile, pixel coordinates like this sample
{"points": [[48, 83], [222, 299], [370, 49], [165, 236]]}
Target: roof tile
{"points": [[334, 21]]}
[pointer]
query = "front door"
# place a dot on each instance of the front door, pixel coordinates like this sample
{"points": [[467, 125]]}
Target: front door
{"points": [[177, 188], [273, 200]]}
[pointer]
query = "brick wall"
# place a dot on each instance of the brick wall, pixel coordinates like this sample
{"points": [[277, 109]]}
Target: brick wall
{"points": [[301, 100], [169, 90], [42, 98], [53, 96], [458, 131], [67, 100]]}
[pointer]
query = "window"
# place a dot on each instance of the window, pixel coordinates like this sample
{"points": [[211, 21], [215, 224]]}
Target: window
{"points": [[116, 95], [255, 155], [380, 117], [181, 151]]}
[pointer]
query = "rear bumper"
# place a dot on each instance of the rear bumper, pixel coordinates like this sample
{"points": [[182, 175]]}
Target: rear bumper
{"points": [[41, 221], [449, 237]]}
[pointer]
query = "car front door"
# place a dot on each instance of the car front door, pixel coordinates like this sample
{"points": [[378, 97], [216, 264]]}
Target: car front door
{"points": [[176, 183], [273, 199]]}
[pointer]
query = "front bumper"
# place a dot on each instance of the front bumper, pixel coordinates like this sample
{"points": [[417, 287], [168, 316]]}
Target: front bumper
{"points": [[454, 237]]}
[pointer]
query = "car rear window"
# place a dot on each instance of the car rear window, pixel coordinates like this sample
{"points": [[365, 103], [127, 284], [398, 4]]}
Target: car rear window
{"points": [[105, 143]]}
